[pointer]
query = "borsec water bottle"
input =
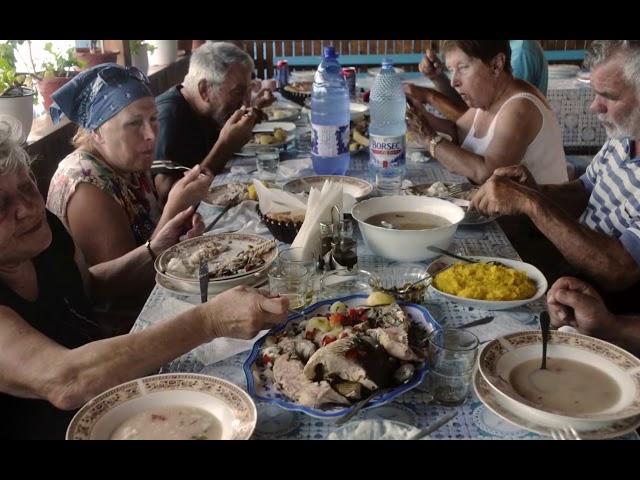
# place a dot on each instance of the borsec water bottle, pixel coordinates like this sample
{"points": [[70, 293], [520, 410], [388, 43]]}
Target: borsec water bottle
{"points": [[330, 118], [387, 107]]}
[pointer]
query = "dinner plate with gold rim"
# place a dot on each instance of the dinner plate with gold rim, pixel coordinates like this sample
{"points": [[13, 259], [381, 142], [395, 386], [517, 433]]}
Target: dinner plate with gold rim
{"points": [[237, 242], [229, 404], [496, 404], [500, 357]]}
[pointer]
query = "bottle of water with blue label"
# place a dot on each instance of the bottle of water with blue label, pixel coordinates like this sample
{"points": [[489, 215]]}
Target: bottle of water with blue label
{"points": [[387, 107], [330, 118]]}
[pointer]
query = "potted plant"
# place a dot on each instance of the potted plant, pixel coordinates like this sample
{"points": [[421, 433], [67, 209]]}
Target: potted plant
{"points": [[139, 54], [16, 98], [95, 55], [55, 72], [167, 52]]}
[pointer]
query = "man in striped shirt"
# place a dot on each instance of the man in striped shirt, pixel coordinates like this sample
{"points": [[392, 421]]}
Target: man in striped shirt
{"points": [[593, 221]]}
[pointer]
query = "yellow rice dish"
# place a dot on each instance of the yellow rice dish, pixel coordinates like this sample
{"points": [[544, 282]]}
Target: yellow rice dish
{"points": [[485, 282]]}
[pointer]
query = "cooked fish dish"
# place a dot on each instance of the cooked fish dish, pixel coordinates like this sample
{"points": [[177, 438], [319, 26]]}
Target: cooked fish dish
{"points": [[343, 356], [249, 258]]}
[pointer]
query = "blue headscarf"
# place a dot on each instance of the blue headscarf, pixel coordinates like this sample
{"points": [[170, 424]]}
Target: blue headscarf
{"points": [[95, 95]]}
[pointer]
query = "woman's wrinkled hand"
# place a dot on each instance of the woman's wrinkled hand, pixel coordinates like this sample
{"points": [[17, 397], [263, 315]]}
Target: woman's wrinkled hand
{"points": [[431, 66], [189, 190], [186, 224], [242, 312]]}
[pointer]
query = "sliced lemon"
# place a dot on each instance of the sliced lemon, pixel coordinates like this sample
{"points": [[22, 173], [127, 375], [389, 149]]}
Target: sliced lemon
{"points": [[380, 298]]}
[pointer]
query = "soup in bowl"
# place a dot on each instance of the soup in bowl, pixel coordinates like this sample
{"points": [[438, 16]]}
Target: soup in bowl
{"points": [[586, 381], [401, 227]]}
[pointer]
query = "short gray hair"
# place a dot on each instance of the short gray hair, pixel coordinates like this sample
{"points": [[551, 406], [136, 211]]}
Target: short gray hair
{"points": [[13, 158], [211, 62], [602, 51]]}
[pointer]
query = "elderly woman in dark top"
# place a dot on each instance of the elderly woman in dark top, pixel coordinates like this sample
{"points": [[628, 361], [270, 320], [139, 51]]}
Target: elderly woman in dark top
{"points": [[103, 191], [53, 357]]}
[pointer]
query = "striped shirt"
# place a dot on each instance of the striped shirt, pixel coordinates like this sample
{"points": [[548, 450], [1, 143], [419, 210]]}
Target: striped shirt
{"points": [[613, 179]]}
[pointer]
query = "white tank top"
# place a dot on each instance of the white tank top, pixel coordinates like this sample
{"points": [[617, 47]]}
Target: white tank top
{"points": [[544, 156]]}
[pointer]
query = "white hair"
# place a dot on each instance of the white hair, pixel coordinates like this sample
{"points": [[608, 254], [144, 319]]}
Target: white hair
{"points": [[211, 61], [602, 51], [13, 157]]}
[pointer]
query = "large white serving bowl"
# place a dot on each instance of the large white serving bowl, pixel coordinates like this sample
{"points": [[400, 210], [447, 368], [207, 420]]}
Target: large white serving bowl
{"points": [[406, 245], [231, 405], [502, 355]]}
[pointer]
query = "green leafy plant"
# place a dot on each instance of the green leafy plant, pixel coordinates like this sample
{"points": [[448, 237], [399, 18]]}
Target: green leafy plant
{"points": [[58, 64], [11, 82], [136, 45]]}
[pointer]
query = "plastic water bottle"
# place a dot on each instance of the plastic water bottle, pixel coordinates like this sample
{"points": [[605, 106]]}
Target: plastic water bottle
{"points": [[387, 107], [330, 117]]}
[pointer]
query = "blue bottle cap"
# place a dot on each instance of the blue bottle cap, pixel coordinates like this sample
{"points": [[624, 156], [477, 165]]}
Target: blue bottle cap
{"points": [[330, 52]]}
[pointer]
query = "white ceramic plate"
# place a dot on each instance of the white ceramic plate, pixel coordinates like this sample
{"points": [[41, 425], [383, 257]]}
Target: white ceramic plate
{"points": [[532, 272], [356, 187], [358, 111], [500, 356], [237, 242], [250, 149], [496, 403], [353, 189], [231, 405], [280, 113], [268, 127], [214, 288]]}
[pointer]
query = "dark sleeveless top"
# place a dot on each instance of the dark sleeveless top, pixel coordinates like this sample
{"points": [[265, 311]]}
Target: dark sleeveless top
{"points": [[61, 312]]}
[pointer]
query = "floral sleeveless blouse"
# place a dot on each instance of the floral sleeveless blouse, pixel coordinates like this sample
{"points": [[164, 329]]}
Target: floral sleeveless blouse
{"points": [[137, 196]]}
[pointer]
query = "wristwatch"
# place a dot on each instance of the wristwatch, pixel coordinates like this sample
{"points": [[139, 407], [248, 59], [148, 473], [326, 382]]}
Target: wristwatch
{"points": [[433, 143]]}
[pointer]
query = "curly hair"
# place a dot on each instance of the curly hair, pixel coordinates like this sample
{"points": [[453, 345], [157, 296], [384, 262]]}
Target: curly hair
{"points": [[13, 157]]}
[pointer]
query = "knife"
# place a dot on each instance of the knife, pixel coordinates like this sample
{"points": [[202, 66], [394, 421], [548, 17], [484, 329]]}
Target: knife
{"points": [[475, 323], [204, 280], [432, 428]]}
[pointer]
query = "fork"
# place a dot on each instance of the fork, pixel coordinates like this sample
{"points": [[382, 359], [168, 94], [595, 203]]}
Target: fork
{"points": [[459, 188], [565, 433]]}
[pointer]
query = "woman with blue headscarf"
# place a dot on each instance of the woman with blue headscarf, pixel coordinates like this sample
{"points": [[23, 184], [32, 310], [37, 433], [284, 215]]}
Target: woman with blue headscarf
{"points": [[103, 191]]}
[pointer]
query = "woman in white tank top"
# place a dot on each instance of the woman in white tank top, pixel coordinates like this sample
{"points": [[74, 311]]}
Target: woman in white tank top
{"points": [[508, 123]]}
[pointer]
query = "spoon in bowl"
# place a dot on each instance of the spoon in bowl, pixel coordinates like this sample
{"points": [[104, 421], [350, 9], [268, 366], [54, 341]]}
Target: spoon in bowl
{"points": [[386, 224], [544, 326]]}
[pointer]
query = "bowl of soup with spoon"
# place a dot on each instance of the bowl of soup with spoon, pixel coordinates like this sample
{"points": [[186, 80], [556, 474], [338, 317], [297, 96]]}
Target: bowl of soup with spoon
{"points": [[401, 227], [586, 380]]}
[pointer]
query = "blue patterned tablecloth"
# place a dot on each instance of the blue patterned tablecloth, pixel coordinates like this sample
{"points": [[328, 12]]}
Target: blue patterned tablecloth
{"points": [[474, 420]]}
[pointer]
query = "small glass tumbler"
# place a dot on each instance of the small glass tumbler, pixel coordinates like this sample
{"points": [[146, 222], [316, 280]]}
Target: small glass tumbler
{"points": [[291, 283], [339, 283], [452, 355], [267, 162]]}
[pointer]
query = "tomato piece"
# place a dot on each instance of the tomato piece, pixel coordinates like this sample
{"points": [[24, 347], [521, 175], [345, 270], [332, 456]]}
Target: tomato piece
{"points": [[336, 319], [310, 334], [352, 354], [327, 339], [266, 359]]}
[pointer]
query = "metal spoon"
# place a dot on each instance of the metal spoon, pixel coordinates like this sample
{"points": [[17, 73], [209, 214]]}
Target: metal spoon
{"points": [[434, 426], [386, 224], [544, 326]]}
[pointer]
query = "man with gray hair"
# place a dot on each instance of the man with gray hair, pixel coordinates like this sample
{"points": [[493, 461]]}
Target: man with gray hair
{"points": [[593, 221], [207, 118]]}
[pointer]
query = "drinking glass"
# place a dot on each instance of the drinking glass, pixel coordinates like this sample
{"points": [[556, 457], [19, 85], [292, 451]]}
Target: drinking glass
{"points": [[267, 161], [291, 283], [339, 283], [452, 355]]}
